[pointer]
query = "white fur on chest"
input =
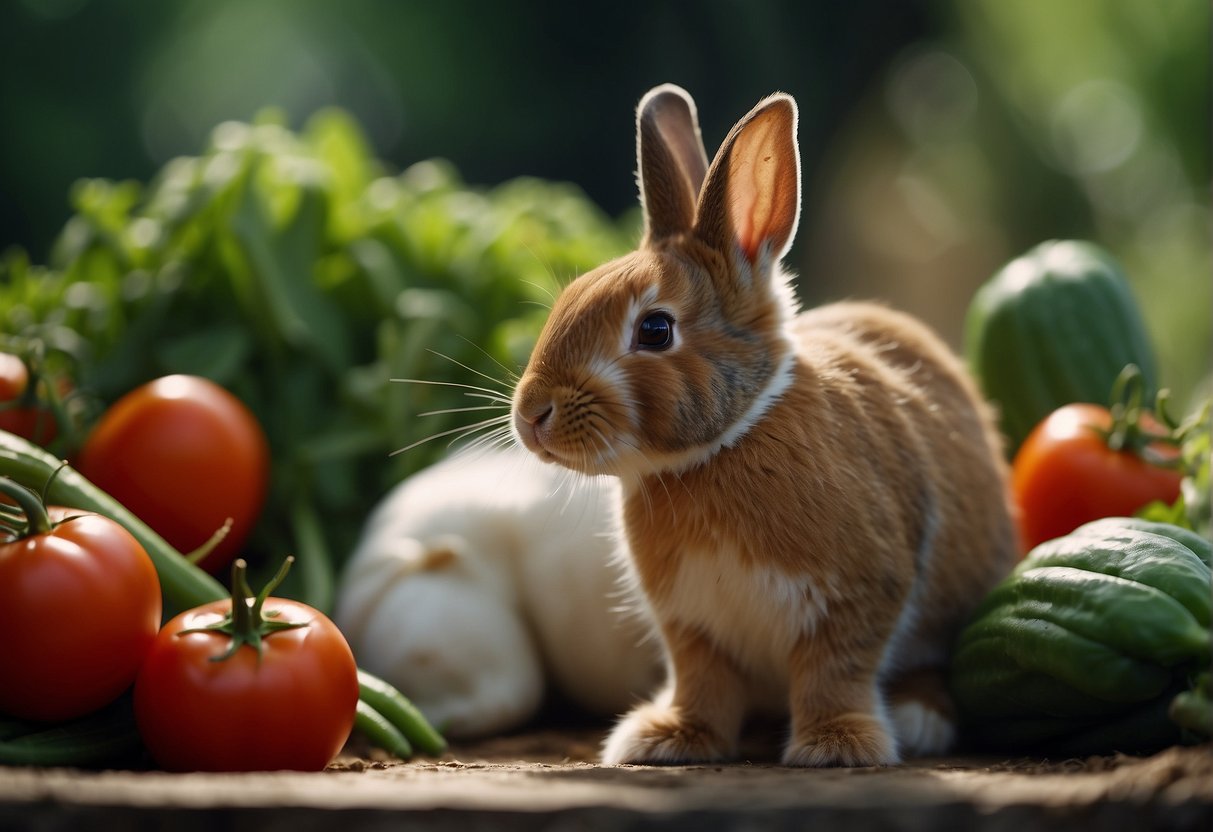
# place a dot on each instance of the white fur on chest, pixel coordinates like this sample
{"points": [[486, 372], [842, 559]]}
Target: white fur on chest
{"points": [[753, 613]]}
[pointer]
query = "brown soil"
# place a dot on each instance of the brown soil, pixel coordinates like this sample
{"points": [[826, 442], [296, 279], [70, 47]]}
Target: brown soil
{"points": [[548, 779]]}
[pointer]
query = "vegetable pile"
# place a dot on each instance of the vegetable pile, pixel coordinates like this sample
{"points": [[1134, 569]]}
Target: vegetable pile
{"points": [[1054, 326], [215, 354], [209, 700], [1099, 640], [290, 269]]}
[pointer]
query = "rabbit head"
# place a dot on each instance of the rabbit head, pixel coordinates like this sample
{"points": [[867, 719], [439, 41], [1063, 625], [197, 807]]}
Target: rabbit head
{"points": [[657, 359]]}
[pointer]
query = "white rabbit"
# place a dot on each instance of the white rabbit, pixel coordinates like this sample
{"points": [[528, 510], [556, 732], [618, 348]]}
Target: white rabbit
{"points": [[481, 580], [813, 502]]}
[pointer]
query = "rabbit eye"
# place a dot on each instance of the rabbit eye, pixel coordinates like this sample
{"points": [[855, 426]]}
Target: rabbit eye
{"points": [[656, 331]]}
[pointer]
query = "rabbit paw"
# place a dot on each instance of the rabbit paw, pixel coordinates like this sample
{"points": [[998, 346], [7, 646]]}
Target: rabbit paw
{"points": [[922, 730], [848, 740], [655, 734]]}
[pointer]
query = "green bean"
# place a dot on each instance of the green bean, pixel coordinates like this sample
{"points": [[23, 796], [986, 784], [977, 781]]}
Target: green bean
{"points": [[183, 584], [382, 733], [101, 737], [402, 713]]}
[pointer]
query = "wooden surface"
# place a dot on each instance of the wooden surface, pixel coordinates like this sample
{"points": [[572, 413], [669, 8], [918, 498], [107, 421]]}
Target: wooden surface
{"points": [[545, 781]]}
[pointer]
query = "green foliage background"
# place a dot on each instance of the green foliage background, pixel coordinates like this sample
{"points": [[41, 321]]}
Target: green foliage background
{"points": [[275, 193]]}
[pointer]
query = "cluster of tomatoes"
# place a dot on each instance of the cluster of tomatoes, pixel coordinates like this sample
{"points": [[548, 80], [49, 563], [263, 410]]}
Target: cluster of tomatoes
{"points": [[81, 599]]}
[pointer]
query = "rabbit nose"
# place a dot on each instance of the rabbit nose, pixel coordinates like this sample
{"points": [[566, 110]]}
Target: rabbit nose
{"points": [[533, 407], [539, 420], [534, 422]]}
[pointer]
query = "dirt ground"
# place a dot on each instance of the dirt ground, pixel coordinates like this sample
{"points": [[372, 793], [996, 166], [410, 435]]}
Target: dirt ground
{"points": [[547, 779]]}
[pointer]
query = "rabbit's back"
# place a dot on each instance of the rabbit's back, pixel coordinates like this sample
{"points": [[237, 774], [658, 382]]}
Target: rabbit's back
{"points": [[908, 420]]}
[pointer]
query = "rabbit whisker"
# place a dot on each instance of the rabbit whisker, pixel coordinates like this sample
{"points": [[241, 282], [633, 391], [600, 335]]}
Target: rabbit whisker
{"points": [[603, 455], [485, 376], [500, 437], [510, 374], [463, 409], [542, 288], [463, 430], [485, 390], [492, 397], [547, 267], [472, 429]]}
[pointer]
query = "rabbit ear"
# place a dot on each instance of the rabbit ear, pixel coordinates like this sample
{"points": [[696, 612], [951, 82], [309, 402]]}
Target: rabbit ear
{"points": [[671, 160], [751, 199]]}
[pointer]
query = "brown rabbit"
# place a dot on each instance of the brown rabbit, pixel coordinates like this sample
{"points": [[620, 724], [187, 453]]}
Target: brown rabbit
{"points": [[813, 502]]}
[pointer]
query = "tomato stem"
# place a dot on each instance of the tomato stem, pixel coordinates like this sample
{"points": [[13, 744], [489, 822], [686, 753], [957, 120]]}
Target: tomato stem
{"points": [[247, 622], [30, 506], [198, 555], [1129, 433]]}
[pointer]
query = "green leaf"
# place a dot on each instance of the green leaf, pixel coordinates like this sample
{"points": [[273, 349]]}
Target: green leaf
{"points": [[281, 266], [219, 354]]}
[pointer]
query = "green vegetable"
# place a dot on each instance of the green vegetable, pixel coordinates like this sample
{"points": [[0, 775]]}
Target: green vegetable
{"points": [[1193, 709], [1090, 643], [98, 738], [1054, 326], [1147, 624], [294, 270], [1144, 560], [184, 586], [1141, 727], [1194, 508], [382, 733], [402, 713]]}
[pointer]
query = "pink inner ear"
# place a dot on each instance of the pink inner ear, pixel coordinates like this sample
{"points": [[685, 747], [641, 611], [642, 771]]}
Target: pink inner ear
{"points": [[742, 197], [758, 198]]}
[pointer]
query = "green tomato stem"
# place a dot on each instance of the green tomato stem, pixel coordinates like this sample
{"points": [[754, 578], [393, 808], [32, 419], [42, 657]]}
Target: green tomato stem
{"points": [[1128, 434], [247, 623], [37, 521], [198, 555]]}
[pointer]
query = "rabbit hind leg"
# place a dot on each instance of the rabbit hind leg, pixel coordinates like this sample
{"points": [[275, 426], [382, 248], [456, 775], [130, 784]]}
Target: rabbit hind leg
{"points": [[922, 712]]}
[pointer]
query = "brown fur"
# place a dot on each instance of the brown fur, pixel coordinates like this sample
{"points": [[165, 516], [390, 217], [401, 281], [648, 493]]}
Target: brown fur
{"points": [[810, 548]]}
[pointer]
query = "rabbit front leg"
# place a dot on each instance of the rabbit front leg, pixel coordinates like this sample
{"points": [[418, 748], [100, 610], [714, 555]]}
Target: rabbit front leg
{"points": [[697, 716], [839, 717]]}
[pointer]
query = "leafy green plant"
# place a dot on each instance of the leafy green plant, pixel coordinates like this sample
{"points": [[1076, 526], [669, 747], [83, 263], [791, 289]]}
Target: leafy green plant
{"points": [[292, 269]]}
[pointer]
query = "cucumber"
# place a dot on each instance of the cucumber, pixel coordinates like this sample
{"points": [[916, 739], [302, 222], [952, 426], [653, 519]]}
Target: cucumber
{"points": [[1038, 646], [1117, 549], [1054, 326], [1144, 729], [1002, 687], [1199, 544], [1089, 643]]}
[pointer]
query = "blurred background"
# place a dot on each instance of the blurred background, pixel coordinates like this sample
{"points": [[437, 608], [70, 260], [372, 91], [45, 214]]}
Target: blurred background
{"points": [[939, 138], [302, 199]]}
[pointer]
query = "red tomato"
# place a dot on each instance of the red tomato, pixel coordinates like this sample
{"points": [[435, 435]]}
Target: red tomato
{"points": [[183, 455], [291, 708], [1065, 475], [79, 609], [37, 424]]}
